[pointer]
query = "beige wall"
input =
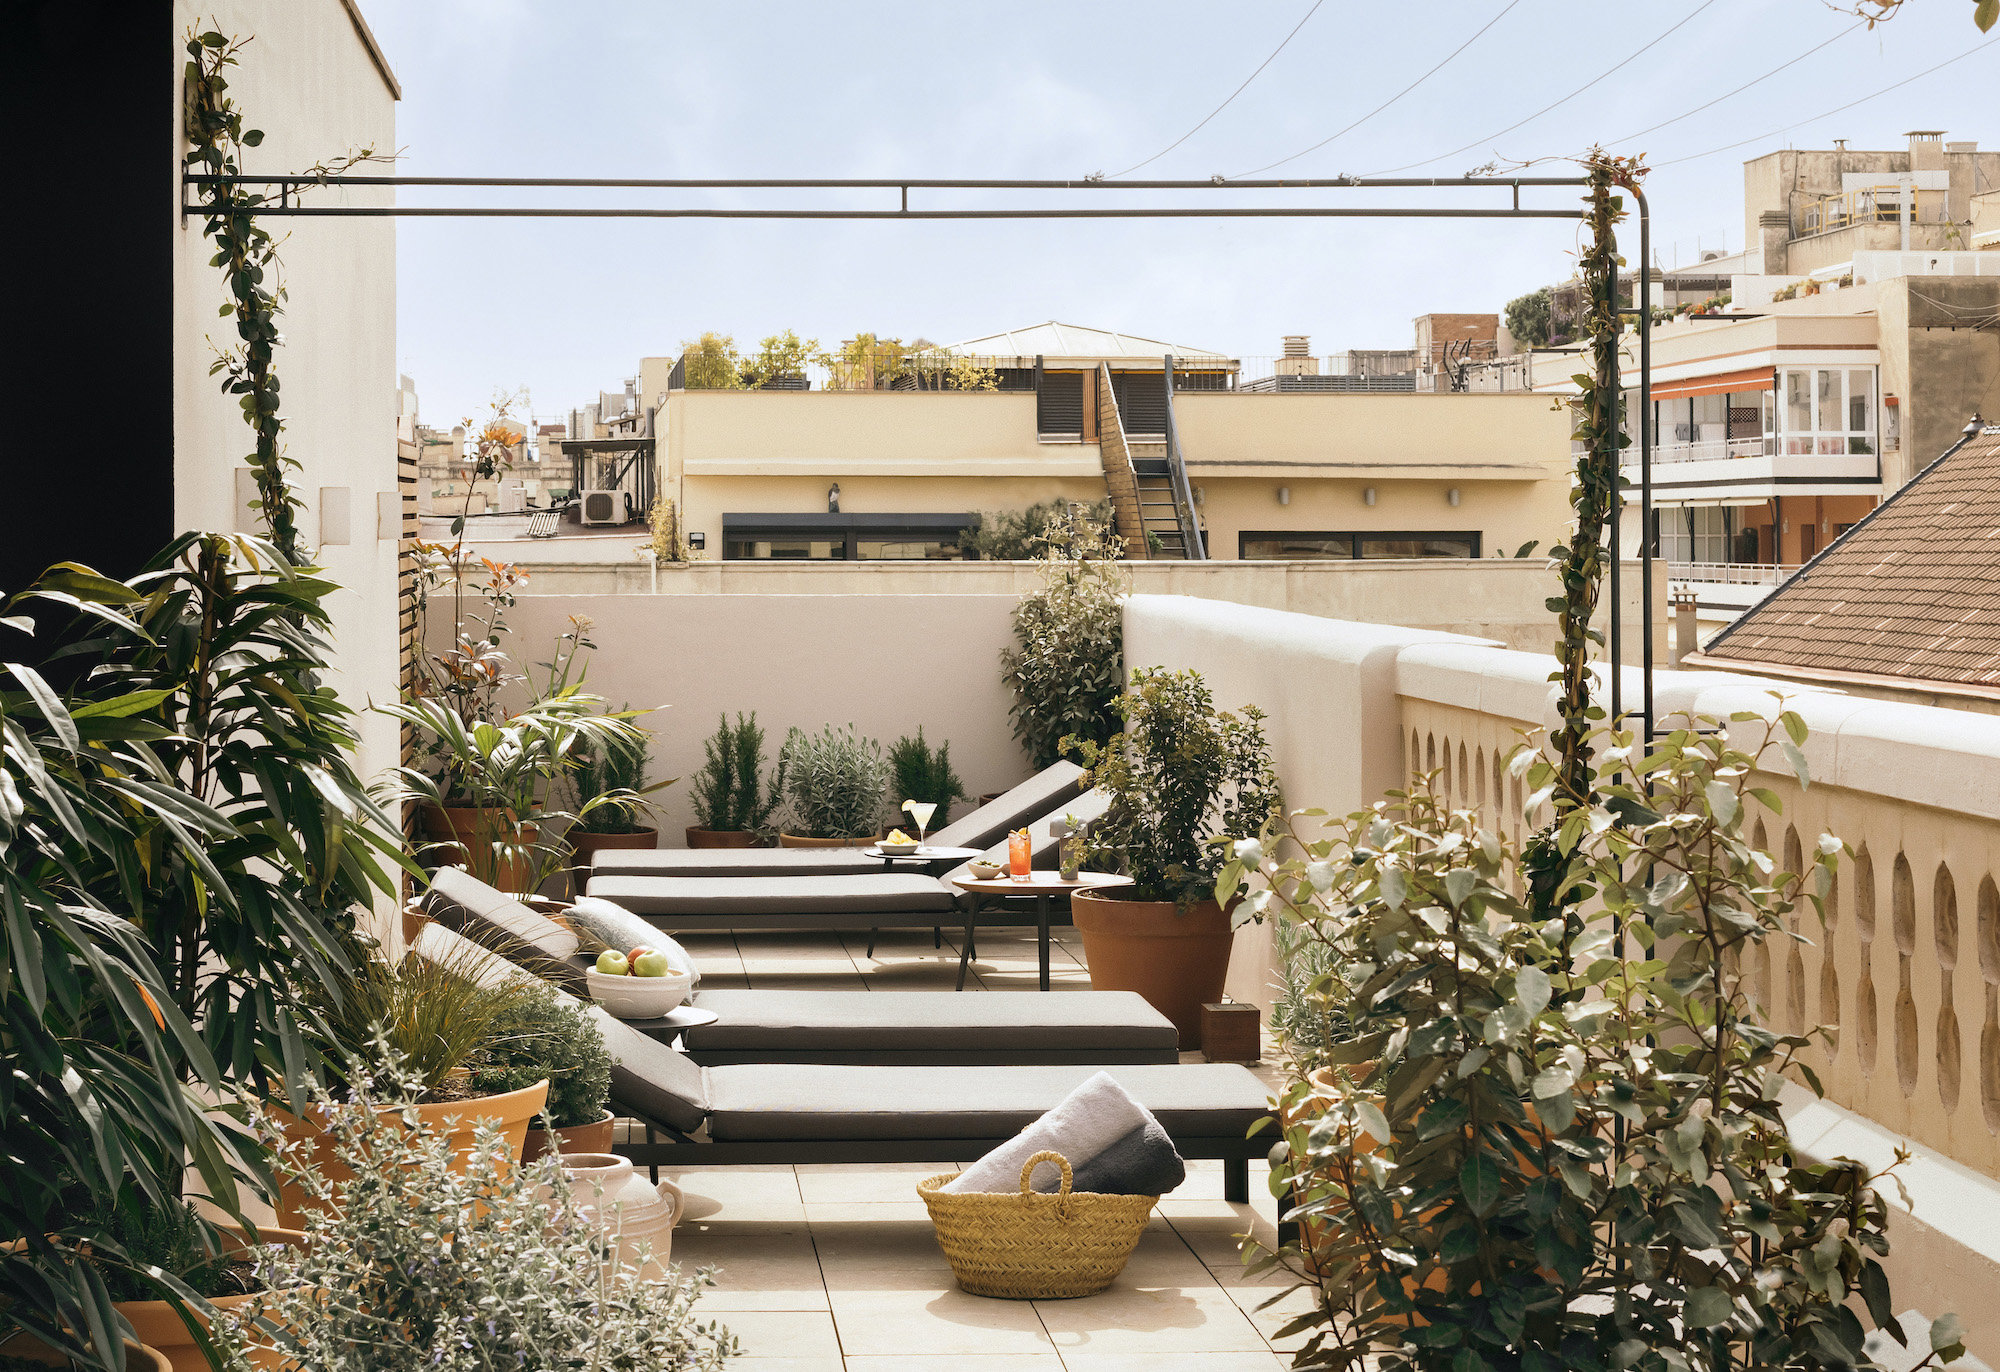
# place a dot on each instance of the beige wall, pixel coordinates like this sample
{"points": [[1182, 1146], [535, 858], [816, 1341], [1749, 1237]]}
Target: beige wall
{"points": [[1941, 369], [884, 664], [310, 84]]}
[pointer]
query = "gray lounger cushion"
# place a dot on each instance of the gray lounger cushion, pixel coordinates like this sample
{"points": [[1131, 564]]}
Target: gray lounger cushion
{"points": [[905, 1022], [493, 919], [771, 1102], [1042, 795], [650, 1079], [863, 893]]}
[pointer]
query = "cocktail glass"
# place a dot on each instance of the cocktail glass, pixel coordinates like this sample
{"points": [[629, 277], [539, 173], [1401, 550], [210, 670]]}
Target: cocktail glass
{"points": [[921, 811]]}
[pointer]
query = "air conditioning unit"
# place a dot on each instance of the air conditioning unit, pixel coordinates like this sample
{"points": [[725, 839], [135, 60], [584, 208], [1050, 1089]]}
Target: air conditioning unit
{"points": [[607, 507]]}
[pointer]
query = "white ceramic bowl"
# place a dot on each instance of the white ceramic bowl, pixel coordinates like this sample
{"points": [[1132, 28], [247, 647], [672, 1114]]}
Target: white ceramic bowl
{"points": [[899, 849], [630, 997], [985, 871]]}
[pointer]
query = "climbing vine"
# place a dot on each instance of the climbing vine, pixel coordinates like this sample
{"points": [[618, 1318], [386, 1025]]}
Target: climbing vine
{"points": [[248, 258]]}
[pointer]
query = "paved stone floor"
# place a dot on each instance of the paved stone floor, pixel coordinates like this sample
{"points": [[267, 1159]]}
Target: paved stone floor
{"points": [[836, 1269]]}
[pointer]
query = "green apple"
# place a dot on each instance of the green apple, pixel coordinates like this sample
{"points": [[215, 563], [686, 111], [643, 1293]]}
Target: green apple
{"points": [[651, 964], [612, 963]]}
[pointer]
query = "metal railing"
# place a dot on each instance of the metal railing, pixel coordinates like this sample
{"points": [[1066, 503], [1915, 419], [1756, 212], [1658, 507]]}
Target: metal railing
{"points": [[1191, 540], [1730, 573], [1881, 204], [1712, 449]]}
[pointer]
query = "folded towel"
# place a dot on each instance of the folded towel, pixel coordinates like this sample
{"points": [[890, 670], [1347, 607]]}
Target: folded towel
{"points": [[1086, 1122], [612, 925], [1143, 1163]]}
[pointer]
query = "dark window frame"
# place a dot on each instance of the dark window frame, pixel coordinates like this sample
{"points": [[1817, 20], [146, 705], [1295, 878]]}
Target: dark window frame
{"points": [[845, 530], [1354, 537]]}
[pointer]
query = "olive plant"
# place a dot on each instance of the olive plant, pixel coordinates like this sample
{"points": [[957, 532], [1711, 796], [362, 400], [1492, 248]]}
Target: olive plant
{"points": [[1522, 1160]]}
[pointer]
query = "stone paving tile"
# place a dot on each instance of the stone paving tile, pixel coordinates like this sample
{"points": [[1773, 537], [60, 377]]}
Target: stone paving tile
{"points": [[1162, 1319], [783, 1334], [1247, 1361], [756, 1271], [946, 1321], [962, 1362]]}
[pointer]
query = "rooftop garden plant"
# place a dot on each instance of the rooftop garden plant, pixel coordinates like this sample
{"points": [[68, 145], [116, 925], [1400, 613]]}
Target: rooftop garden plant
{"points": [[1544, 1147], [730, 793], [835, 783], [548, 1037], [610, 785], [1020, 535], [925, 776], [1066, 666], [526, 1281]]}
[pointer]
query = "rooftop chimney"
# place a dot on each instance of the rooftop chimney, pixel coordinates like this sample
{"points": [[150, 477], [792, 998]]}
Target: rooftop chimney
{"points": [[1298, 359], [1926, 149]]}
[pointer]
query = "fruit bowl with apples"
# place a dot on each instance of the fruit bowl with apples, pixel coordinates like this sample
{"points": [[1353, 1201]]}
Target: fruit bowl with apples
{"points": [[640, 984]]}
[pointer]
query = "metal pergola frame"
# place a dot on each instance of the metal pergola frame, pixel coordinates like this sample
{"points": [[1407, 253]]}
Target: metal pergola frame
{"points": [[288, 186]]}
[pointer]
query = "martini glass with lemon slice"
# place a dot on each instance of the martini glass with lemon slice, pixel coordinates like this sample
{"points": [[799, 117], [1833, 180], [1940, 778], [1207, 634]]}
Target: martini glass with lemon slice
{"points": [[921, 811]]}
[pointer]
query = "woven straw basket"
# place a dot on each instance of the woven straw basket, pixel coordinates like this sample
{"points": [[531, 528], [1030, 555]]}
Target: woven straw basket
{"points": [[1033, 1246]]}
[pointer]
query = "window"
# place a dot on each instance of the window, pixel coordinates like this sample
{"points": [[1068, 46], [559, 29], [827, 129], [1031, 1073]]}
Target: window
{"points": [[1696, 533], [1829, 410], [1311, 546], [843, 537]]}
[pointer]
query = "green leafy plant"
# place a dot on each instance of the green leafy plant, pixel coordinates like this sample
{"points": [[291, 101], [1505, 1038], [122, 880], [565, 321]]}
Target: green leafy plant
{"points": [[526, 1281], [1528, 318], [610, 783], [1066, 667], [428, 1021], [1184, 782], [1019, 535], [835, 783], [711, 363], [171, 1237], [728, 792], [669, 541], [923, 775], [548, 1037], [780, 357], [1543, 1148], [1307, 1022]]}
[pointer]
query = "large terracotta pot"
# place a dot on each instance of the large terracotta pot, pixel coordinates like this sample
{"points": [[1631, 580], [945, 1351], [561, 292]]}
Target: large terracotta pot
{"points": [[623, 1205], [1175, 961], [721, 838], [158, 1324], [138, 1356], [476, 828], [800, 841], [570, 1140], [458, 1120]]}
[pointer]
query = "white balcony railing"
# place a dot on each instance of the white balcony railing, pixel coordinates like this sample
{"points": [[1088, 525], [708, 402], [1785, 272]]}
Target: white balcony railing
{"points": [[1730, 573], [1712, 449]]}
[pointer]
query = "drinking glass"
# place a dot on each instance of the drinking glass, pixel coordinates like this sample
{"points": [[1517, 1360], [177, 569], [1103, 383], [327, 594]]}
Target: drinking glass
{"points": [[1020, 854], [921, 811]]}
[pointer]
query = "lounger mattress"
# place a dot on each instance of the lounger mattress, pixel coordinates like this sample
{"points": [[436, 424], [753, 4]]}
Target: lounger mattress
{"points": [[822, 1026], [769, 1102], [863, 893]]}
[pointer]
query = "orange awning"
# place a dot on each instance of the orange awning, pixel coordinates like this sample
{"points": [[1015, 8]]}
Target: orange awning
{"points": [[1755, 379]]}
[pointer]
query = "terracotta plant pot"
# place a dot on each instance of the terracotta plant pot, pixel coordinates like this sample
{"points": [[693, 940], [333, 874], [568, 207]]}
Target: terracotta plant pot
{"points": [[475, 828], [721, 838], [158, 1324], [511, 1113], [583, 846], [573, 1139], [138, 1357], [800, 841], [1175, 961]]}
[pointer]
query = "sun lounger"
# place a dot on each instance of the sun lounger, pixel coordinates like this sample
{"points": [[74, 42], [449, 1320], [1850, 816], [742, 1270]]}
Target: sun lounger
{"points": [[1039, 798], [829, 1027]]}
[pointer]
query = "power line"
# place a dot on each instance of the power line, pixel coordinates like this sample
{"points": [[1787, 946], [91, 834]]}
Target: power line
{"points": [[1556, 104], [1232, 95], [1838, 109], [1386, 103], [1633, 137]]}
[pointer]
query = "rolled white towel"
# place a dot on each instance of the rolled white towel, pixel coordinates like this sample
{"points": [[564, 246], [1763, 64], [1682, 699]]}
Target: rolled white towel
{"points": [[1087, 1121]]}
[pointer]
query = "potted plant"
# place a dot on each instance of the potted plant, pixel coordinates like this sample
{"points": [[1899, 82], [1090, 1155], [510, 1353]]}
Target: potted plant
{"points": [[835, 783], [547, 1037], [610, 783], [527, 1280], [1065, 669], [427, 1023], [925, 776], [1184, 782], [26, 1353], [732, 807]]}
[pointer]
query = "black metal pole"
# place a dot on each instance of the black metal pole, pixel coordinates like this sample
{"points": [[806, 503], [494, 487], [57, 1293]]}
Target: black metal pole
{"points": [[872, 183], [1174, 212], [1646, 462], [1616, 637]]}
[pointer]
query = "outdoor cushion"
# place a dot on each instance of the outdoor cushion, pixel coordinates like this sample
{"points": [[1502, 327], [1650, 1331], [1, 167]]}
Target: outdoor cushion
{"points": [[799, 1103], [612, 925], [503, 912], [929, 1021], [464, 904], [862, 893]]}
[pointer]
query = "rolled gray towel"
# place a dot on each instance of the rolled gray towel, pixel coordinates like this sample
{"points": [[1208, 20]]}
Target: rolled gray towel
{"points": [[1142, 1163]]}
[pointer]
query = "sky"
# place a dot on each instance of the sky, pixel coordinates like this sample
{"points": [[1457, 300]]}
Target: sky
{"points": [[1036, 89]]}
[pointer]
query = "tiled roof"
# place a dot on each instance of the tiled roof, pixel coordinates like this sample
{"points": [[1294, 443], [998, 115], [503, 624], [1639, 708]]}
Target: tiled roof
{"points": [[1913, 591]]}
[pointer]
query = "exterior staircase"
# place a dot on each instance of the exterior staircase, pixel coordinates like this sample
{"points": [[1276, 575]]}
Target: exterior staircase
{"points": [[1151, 501]]}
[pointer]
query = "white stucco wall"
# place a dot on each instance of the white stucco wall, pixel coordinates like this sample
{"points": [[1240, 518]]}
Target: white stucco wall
{"points": [[309, 82]]}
